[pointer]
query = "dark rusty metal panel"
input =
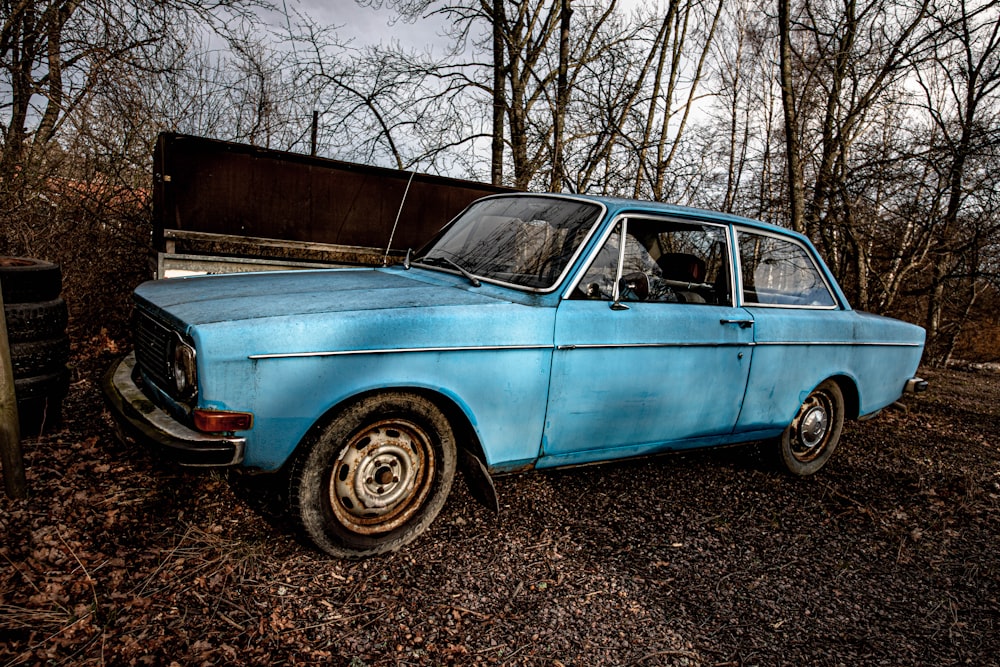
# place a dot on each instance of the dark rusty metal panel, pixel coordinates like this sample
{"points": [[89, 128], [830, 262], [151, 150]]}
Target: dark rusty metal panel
{"points": [[204, 185]]}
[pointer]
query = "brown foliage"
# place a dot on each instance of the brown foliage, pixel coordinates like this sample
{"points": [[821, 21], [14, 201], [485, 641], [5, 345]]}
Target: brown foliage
{"points": [[887, 556], [99, 233]]}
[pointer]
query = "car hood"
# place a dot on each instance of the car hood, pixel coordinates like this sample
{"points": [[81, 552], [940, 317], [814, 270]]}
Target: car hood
{"points": [[230, 298]]}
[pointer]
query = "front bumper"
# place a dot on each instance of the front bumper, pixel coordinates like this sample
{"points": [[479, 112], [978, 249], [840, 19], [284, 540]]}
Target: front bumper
{"points": [[140, 420]]}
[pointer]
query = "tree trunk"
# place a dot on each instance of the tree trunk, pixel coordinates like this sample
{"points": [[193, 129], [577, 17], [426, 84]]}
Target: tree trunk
{"points": [[796, 187], [499, 98], [557, 177]]}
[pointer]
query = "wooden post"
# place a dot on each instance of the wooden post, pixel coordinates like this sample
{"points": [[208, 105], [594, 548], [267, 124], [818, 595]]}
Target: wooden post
{"points": [[10, 429], [315, 131]]}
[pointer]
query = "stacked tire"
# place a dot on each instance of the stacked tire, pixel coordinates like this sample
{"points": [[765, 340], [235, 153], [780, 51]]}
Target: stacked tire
{"points": [[39, 347]]}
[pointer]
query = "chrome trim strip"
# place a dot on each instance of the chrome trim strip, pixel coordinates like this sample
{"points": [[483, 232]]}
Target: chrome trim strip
{"points": [[784, 306], [581, 346], [840, 343], [599, 346], [607, 346], [399, 350]]}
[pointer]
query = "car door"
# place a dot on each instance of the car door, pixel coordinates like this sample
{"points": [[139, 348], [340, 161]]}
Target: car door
{"points": [[801, 333], [650, 351]]}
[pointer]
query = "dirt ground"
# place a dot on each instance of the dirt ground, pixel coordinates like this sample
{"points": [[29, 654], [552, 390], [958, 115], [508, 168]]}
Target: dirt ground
{"points": [[889, 556]]}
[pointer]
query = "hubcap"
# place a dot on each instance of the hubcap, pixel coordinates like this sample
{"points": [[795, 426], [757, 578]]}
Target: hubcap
{"points": [[382, 477], [812, 427]]}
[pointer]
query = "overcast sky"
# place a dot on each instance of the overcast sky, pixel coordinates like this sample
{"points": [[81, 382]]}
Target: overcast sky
{"points": [[368, 26]]}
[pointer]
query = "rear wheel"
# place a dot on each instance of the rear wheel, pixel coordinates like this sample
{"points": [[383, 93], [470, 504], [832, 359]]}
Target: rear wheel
{"points": [[375, 477], [812, 437]]}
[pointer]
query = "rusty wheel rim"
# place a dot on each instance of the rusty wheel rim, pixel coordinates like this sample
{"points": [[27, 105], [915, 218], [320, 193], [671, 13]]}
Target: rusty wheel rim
{"points": [[382, 477]]}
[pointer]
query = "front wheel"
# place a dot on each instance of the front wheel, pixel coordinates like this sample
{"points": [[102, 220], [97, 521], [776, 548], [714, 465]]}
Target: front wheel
{"points": [[811, 438], [375, 477]]}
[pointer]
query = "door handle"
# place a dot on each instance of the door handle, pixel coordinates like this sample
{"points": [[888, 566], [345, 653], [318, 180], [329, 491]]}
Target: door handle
{"points": [[744, 324]]}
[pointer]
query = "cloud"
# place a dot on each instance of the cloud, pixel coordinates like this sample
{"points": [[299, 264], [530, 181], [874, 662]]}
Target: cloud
{"points": [[367, 26]]}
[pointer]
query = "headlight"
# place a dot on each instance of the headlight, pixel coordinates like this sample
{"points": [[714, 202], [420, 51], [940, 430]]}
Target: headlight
{"points": [[184, 369]]}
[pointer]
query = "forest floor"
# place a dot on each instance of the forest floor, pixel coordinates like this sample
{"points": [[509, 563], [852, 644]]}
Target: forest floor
{"points": [[889, 556]]}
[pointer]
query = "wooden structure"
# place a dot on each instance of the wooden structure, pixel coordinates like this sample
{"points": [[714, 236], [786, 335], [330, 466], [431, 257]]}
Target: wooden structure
{"points": [[222, 207]]}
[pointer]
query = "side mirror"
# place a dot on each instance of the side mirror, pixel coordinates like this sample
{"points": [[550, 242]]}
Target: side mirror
{"points": [[634, 286]]}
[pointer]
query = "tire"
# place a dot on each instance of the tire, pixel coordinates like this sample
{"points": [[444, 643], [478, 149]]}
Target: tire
{"points": [[53, 385], [27, 280], [812, 437], [375, 477], [36, 321], [39, 357], [39, 402]]}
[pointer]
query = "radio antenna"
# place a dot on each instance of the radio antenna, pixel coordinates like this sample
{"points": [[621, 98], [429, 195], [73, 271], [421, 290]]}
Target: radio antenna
{"points": [[385, 259]]}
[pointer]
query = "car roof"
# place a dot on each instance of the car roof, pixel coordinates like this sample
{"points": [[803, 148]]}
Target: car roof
{"points": [[619, 205]]}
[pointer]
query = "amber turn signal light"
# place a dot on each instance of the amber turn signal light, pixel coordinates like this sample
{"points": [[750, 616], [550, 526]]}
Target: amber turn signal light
{"points": [[216, 421]]}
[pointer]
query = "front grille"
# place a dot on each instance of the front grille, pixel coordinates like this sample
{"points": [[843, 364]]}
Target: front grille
{"points": [[153, 348]]}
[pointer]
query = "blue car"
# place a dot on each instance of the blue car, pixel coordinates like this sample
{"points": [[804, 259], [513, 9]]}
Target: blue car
{"points": [[533, 331]]}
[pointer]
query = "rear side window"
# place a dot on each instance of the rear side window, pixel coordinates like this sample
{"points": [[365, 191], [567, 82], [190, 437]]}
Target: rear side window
{"points": [[780, 272]]}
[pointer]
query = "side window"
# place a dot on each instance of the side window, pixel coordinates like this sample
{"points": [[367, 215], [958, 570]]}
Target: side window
{"points": [[779, 272], [664, 261]]}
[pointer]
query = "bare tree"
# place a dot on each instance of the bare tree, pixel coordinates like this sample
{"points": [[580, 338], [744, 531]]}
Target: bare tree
{"points": [[790, 106], [961, 90], [844, 66], [670, 70], [562, 97], [53, 52], [80, 106], [528, 58]]}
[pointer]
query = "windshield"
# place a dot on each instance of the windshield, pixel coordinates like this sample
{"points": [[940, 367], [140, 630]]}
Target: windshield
{"points": [[523, 241]]}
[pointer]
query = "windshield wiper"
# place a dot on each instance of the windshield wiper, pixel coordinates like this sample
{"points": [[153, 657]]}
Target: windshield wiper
{"points": [[468, 276]]}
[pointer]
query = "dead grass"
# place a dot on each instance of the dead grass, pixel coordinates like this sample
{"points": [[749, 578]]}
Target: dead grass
{"points": [[712, 558]]}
